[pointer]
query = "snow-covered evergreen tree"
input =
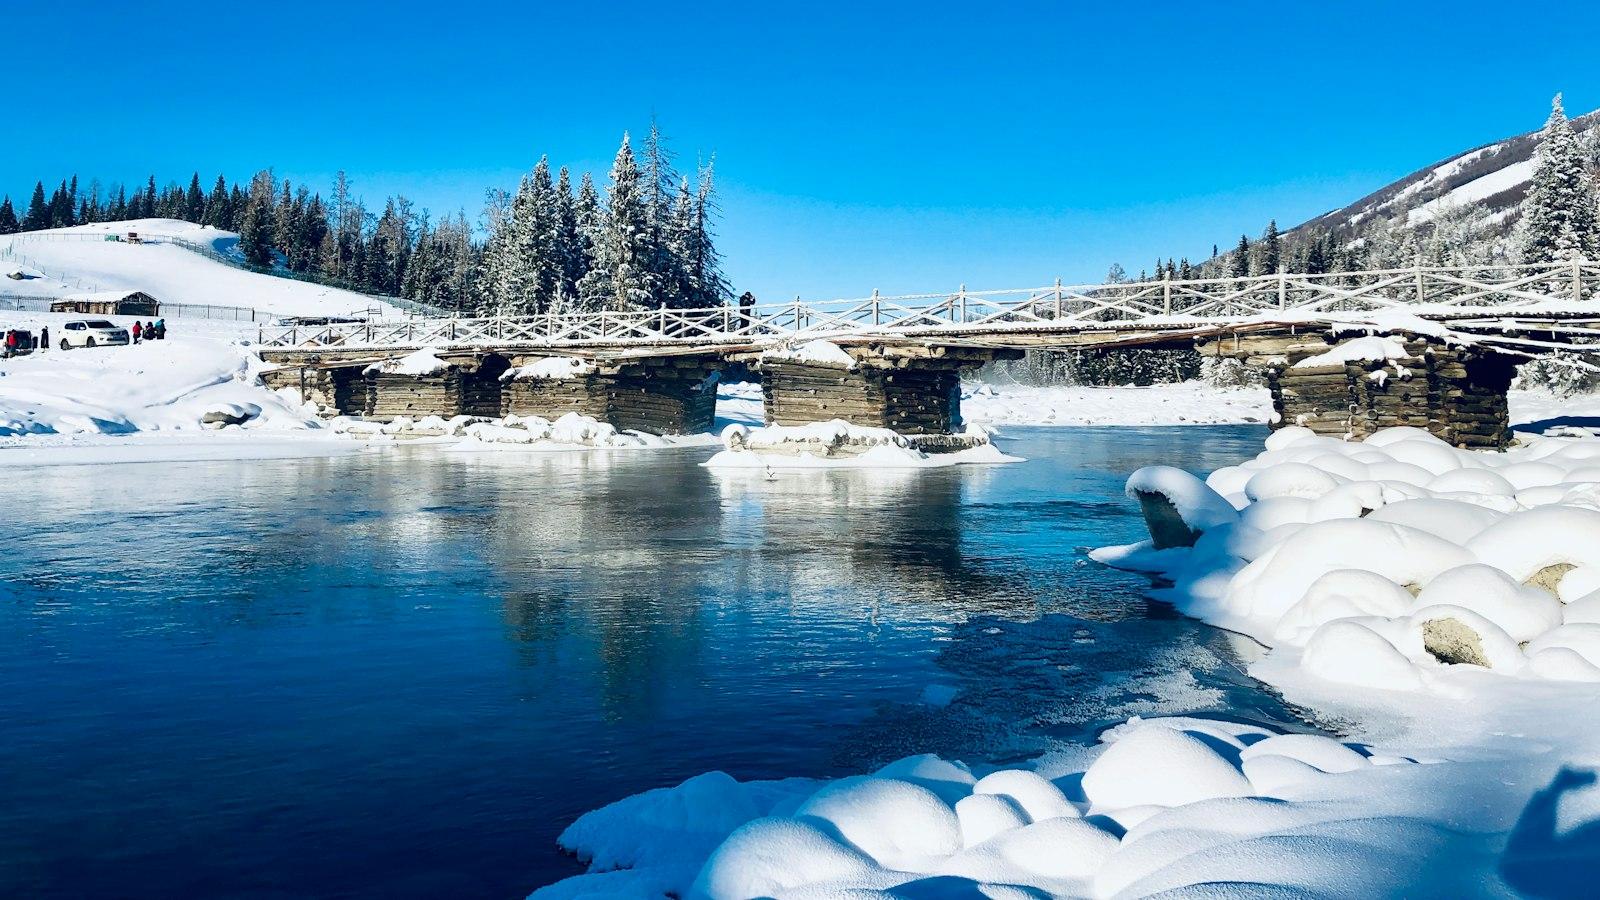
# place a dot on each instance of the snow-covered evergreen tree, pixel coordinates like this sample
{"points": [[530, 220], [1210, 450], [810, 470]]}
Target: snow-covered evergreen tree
{"points": [[593, 285], [255, 227], [568, 245], [8, 217], [494, 275], [540, 243], [1271, 250], [620, 277], [1559, 216]]}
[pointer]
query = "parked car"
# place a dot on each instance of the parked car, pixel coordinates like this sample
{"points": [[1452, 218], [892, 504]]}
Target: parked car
{"points": [[92, 333], [17, 341]]}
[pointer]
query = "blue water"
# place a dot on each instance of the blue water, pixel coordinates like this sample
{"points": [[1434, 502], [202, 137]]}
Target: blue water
{"points": [[402, 673]]}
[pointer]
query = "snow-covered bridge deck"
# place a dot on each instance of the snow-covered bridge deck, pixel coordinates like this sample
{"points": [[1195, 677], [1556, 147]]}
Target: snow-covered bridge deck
{"points": [[1517, 297]]}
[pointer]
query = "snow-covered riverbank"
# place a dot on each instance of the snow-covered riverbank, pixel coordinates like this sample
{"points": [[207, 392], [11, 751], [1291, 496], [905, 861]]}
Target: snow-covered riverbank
{"points": [[1436, 606]]}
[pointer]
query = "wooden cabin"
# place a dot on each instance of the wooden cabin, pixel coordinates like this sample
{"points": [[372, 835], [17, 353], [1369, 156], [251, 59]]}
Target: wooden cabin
{"points": [[109, 303]]}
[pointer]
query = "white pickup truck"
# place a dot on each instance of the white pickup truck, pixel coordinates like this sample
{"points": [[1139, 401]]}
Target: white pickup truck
{"points": [[92, 333]]}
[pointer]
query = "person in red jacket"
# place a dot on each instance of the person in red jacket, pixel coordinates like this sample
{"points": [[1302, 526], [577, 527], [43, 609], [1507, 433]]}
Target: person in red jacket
{"points": [[137, 330]]}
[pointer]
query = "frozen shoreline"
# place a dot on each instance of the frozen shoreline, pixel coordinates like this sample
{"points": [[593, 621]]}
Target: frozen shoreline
{"points": [[1467, 762]]}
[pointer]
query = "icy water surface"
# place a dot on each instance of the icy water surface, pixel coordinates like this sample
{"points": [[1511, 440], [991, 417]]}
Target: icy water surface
{"points": [[402, 673]]}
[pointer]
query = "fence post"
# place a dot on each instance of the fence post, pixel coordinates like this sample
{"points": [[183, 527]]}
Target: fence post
{"points": [[661, 329], [1058, 298], [1421, 293], [1577, 277], [874, 307], [1283, 289], [963, 296], [1166, 293], [797, 325]]}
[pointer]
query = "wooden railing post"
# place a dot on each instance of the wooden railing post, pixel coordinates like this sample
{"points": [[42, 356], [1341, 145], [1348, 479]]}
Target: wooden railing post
{"points": [[661, 318], [1058, 298], [1166, 293], [1577, 277], [874, 307], [963, 296], [797, 325], [1283, 289], [1421, 292]]}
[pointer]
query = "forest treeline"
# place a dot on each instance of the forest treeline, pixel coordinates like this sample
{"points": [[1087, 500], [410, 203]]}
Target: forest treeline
{"points": [[549, 245]]}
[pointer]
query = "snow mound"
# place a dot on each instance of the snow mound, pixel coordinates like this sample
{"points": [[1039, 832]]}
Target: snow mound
{"points": [[421, 362], [552, 368], [818, 352], [838, 444], [1362, 349]]}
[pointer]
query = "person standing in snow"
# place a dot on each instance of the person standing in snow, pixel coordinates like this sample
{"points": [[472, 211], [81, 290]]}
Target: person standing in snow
{"points": [[161, 329], [44, 339], [11, 342], [137, 331]]}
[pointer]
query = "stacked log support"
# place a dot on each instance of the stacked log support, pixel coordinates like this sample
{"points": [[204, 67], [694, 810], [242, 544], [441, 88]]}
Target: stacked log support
{"points": [[391, 395], [337, 391], [657, 395], [1456, 393], [912, 390]]}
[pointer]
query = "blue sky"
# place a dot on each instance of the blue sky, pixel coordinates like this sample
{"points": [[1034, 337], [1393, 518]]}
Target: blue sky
{"points": [[899, 146]]}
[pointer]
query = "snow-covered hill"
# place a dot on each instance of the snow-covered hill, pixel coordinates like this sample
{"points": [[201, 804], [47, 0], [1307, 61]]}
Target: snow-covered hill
{"points": [[1495, 177], [177, 262]]}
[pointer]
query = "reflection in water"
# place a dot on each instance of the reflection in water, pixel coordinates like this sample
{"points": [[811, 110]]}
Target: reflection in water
{"points": [[403, 672]]}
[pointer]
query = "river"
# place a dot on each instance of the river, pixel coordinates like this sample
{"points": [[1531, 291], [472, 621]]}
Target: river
{"points": [[401, 673]]}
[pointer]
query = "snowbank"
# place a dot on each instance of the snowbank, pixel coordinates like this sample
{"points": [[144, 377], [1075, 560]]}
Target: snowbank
{"points": [[1159, 804], [837, 444], [184, 384]]}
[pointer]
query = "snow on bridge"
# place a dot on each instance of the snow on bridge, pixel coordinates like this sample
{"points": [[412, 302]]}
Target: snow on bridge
{"points": [[1495, 299]]}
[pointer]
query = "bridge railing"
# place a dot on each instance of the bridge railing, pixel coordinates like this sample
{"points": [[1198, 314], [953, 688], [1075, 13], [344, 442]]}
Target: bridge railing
{"points": [[1438, 291]]}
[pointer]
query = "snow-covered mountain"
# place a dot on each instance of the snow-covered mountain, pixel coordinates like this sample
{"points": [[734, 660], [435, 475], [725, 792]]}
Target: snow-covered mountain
{"points": [[177, 262], [1492, 178]]}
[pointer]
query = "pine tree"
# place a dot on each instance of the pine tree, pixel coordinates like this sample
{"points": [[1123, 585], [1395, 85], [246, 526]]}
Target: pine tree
{"points": [[496, 222], [216, 212], [255, 226], [1241, 258], [194, 202], [705, 265], [662, 272], [540, 242], [591, 225], [1559, 216], [38, 214], [568, 244], [8, 217], [1271, 249], [620, 277]]}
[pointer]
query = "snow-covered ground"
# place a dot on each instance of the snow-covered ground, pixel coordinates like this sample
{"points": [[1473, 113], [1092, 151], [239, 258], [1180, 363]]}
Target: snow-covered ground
{"points": [[1441, 606], [80, 260]]}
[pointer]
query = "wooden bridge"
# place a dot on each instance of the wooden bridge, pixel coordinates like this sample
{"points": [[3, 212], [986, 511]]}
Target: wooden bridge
{"points": [[907, 350]]}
